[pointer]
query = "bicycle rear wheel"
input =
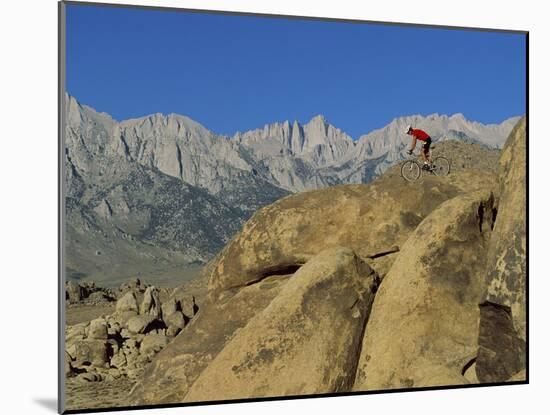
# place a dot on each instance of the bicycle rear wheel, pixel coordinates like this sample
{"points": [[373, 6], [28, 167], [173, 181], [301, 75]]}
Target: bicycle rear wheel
{"points": [[441, 166], [410, 170]]}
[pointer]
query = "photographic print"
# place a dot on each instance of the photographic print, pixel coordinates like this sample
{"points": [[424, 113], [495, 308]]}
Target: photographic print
{"points": [[259, 207]]}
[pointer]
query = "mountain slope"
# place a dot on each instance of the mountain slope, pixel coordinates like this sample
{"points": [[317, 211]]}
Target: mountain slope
{"points": [[142, 217], [126, 217]]}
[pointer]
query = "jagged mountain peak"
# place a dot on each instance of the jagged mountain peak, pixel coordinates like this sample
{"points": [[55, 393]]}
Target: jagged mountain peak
{"points": [[320, 118], [166, 120], [458, 115], [78, 114]]}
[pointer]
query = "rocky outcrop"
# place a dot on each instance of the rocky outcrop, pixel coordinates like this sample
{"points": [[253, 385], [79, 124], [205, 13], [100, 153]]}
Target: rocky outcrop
{"points": [[301, 342], [424, 321], [88, 293], [89, 352], [97, 329], [151, 303], [128, 302], [502, 333], [123, 343], [73, 292], [274, 247], [366, 218]]}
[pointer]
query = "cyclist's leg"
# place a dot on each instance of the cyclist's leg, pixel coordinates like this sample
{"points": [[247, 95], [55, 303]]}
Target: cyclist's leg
{"points": [[426, 149], [423, 152], [425, 165]]}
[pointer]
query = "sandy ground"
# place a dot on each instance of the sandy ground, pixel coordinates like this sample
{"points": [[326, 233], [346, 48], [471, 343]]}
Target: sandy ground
{"points": [[97, 394], [81, 313], [170, 277]]}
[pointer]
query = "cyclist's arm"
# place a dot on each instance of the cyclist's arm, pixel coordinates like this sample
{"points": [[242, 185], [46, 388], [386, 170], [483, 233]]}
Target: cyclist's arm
{"points": [[413, 144]]}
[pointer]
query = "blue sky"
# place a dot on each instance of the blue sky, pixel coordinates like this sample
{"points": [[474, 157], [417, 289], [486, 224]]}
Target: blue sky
{"points": [[234, 73]]}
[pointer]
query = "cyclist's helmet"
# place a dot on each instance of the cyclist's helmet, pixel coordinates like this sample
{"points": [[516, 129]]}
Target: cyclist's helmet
{"points": [[409, 128]]}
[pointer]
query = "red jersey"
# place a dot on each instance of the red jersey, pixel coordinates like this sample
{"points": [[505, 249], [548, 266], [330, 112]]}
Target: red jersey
{"points": [[420, 135]]}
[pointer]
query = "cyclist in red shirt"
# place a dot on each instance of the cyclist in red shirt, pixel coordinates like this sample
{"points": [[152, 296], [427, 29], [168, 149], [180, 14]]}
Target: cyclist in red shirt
{"points": [[421, 135]]}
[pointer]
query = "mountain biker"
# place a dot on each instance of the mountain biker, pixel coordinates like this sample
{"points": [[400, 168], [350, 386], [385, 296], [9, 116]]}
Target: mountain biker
{"points": [[421, 135]]}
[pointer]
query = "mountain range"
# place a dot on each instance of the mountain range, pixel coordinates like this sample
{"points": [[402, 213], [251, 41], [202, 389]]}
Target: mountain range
{"points": [[162, 193]]}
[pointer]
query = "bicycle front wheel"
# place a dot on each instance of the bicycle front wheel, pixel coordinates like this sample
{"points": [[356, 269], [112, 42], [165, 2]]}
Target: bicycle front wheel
{"points": [[441, 166], [410, 170]]}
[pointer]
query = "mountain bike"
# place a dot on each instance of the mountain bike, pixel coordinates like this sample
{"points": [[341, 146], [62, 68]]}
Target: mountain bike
{"points": [[411, 169]]}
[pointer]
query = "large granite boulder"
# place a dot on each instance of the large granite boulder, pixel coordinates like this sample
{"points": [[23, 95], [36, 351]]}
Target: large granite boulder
{"points": [[128, 302], [177, 320], [98, 329], [73, 291], [141, 324], [91, 352], [423, 327], [169, 306], [366, 218], [303, 342], [151, 303]]}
